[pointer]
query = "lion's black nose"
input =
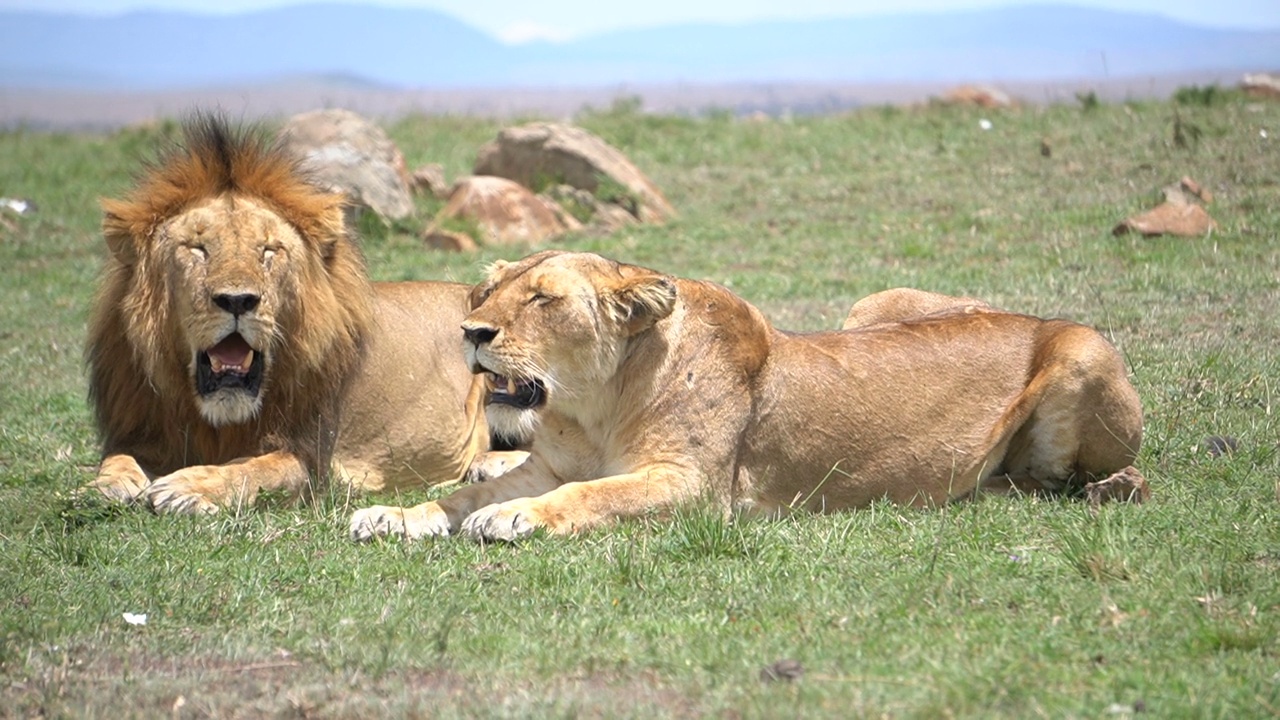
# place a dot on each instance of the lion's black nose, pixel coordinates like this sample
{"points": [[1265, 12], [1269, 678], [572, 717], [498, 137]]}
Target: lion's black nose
{"points": [[479, 334], [237, 304]]}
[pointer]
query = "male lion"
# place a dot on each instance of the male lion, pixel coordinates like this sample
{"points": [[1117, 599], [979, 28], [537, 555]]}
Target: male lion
{"points": [[236, 344], [643, 391]]}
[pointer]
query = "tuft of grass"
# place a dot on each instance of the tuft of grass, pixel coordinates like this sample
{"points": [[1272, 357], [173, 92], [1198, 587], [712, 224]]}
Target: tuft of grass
{"points": [[703, 533]]}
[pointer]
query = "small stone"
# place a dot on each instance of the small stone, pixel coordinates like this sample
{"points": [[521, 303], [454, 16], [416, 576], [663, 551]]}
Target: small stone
{"points": [[449, 240], [783, 670], [1219, 445], [1128, 485]]}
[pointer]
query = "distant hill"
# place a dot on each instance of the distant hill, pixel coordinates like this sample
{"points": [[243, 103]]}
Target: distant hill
{"points": [[412, 48]]}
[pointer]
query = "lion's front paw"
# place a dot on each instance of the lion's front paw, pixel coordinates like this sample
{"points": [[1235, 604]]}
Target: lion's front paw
{"points": [[115, 487], [508, 521], [427, 520], [172, 494], [194, 490], [120, 478]]}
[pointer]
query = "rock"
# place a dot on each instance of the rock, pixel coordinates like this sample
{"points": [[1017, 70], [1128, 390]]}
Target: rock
{"points": [[1128, 485], [1179, 214], [504, 212], [448, 240], [1219, 445], [978, 96], [1187, 185], [786, 670], [609, 217], [599, 217], [1262, 85], [1169, 218], [18, 206], [346, 152], [541, 154], [429, 180]]}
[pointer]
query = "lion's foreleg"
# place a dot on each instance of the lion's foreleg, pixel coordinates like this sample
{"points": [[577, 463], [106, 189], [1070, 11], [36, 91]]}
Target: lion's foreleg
{"points": [[207, 488], [120, 478], [443, 517], [579, 506]]}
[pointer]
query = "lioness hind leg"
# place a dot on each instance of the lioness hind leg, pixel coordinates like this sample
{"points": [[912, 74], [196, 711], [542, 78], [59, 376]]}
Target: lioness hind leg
{"points": [[1087, 421]]}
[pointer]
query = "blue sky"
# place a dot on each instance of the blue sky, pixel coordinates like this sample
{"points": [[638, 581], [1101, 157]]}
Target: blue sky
{"points": [[518, 20]]}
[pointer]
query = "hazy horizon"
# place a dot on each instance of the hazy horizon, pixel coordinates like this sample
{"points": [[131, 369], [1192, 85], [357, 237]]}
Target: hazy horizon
{"points": [[518, 21]]}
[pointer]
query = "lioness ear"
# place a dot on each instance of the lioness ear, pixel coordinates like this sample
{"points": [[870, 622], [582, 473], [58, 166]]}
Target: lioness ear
{"points": [[478, 295], [119, 231], [639, 302]]}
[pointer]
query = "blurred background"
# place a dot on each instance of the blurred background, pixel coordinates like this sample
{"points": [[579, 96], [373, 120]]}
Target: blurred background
{"points": [[81, 64]]}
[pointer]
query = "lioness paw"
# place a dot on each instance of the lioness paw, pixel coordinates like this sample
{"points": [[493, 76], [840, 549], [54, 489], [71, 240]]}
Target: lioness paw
{"points": [[427, 520], [508, 521], [490, 465]]}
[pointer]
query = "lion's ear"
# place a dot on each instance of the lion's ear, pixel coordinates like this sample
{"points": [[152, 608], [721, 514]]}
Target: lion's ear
{"points": [[119, 231], [639, 302], [477, 296], [481, 291]]}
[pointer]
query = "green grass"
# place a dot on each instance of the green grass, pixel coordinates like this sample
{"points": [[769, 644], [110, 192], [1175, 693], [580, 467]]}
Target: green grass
{"points": [[1002, 607]]}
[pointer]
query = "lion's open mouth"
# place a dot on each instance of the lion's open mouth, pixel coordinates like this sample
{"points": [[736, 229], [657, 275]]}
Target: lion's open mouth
{"points": [[231, 364], [520, 393]]}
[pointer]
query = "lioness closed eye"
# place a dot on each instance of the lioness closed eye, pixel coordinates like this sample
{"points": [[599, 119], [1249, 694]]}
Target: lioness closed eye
{"points": [[237, 345], [642, 391]]}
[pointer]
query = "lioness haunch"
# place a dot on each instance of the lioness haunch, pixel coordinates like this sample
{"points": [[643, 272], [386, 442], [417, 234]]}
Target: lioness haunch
{"points": [[642, 391]]}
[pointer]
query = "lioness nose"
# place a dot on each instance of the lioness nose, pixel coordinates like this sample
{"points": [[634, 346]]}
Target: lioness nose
{"points": [[479, 334], [237, 304]]}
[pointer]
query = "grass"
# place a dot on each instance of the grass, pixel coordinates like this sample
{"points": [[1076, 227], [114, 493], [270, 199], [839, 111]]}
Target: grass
{"points": [[1002, 607]]}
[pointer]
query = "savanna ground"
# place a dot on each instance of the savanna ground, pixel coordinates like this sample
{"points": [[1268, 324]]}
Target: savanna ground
{"points": [[1000, 607]]}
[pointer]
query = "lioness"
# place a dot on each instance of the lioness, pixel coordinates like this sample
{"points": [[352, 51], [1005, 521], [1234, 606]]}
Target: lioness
{"points": [[643, 391], [236, 344]]}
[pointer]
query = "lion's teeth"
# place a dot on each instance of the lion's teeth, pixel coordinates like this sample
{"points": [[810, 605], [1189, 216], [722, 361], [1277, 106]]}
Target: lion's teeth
{"points": [[216, 364], [248, 362], [511, 386]]}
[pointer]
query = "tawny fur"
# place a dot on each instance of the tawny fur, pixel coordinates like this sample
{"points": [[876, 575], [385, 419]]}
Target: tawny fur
{"points": [[898, 304], [662, 391], [365, 375]]}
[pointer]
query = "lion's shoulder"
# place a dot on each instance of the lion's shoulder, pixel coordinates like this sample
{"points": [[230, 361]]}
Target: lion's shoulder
{"points": [[718, 318]]}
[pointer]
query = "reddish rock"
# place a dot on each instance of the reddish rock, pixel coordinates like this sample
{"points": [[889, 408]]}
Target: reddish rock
{"points": [[538, 155], [448, 240], [1169, 218], [504, 211], [1262, 85], [979, 96]]}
